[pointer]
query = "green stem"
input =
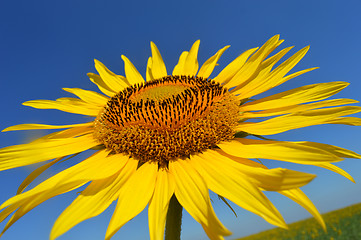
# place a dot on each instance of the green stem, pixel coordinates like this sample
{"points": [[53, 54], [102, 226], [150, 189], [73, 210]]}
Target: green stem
{"points": [[174, 220]]}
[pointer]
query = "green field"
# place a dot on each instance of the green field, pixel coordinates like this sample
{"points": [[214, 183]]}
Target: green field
{"points": [[342, 224]]}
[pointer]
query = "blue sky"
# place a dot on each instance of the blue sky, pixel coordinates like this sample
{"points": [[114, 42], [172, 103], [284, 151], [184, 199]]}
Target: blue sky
{"points": [[48, 45]]}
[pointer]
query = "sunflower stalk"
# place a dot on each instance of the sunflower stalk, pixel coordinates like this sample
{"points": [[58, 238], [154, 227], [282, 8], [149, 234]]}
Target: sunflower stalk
{"points": [[174, 220]]}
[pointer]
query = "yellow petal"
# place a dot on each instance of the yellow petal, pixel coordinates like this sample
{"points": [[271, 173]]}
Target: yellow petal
{"points": [[336, 169], [309, 93], [208, 66], [252, 66], [296, 74], [35, 200], [6, 213], [273, 79], [224, 180], [277, 150], [78, 107], [263, 70], [211, 234], [158, 206], [158, 67], [275, 58], [259, 76], [67, 133], [26, 154], [192, 193], [97, 80], [287, 65], [297, 120], [149, 75], [93, 200], [243, 161], [267, 48], [34, 174], [178, 69], [231, 69], [113, 81], [133, 197], [301, 108], [299, 197], [352, 121], [96, 167], [44, 126], [269, 179], [337, 151], [131, 72], [88, 96], [191, 63]]}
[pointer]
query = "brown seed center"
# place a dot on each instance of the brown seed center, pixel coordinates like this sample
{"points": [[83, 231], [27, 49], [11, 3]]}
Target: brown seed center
{"points": [[167, 118]]}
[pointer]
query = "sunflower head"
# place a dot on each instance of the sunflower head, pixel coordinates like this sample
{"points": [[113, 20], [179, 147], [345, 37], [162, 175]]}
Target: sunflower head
{"points": [[177, 136]]}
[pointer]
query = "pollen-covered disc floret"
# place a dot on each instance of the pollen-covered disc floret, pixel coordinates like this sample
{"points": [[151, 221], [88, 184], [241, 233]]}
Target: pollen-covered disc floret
{"points": [[167, 118]]}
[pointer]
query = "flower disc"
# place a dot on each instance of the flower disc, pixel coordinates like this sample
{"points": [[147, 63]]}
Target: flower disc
{"points": [[167, 118]]}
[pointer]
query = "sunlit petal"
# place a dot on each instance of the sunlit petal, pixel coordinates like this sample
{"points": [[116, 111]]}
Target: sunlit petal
{"points": [[158, 205], [133, 197]]}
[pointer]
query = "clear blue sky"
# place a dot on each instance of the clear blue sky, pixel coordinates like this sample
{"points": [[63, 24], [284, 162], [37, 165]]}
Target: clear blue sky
{"points": [[47, 45]]}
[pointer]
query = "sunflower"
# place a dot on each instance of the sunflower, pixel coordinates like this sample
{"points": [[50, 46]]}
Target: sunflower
{"points": [[171, 138]]}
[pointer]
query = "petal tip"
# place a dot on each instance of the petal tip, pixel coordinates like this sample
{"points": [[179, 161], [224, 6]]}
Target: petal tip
{"points": [[275, 38], [197, 43], [124, 58]]}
